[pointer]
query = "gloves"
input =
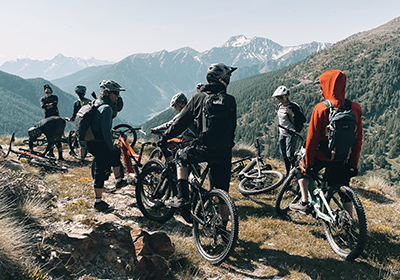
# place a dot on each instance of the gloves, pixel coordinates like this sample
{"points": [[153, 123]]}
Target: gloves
{"points": [[353, 171]]}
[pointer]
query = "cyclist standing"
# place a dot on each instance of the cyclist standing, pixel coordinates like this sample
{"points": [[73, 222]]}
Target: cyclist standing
{"points": [[332, 88], [53, 128], [82, 100], [219, 153], [290, 115], [49, 102], [102, 147]]}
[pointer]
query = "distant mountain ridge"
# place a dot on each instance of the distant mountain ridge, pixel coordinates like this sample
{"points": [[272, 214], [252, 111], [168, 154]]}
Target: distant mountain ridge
{"points": [[151, 79], [59, 66]]}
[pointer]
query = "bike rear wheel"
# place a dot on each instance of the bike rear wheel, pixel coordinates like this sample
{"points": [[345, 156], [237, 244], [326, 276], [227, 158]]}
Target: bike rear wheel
{"points": [[289, 193], [156, 153], [255, 183], [347, 236], [214, 239], [152, 190], [75, 146], [129, 132]]}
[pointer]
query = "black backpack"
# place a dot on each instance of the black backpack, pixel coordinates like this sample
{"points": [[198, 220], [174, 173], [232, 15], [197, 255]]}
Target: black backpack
{"points": [[83, 121], [341, 131], [217, 125]]}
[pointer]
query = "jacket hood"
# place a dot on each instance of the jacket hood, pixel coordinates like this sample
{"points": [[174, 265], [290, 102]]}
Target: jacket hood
{"points": [[333, 84]]}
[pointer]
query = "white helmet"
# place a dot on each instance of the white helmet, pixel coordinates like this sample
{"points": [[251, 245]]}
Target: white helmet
{"points": [[280, 91]]}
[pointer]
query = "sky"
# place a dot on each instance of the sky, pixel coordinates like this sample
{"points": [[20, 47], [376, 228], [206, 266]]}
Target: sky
{"points": [[113, 30]]}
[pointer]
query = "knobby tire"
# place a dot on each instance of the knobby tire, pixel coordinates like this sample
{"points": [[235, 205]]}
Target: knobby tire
{"points": [[348, 235], [129, 131], [289, 193], [255, 184], [212, 240], [150, 201]]}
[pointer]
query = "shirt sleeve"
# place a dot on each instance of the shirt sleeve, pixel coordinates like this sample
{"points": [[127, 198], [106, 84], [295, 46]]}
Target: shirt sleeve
{"points": [[106, 125]]}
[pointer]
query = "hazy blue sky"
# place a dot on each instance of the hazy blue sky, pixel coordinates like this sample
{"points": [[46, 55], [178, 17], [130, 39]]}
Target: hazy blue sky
{"points": [[112, 30]]}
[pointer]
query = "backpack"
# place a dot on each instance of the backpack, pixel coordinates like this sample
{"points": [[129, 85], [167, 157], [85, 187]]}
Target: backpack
{"points": [[299, 119], [218, 128], [341, 131], [83, 121]]}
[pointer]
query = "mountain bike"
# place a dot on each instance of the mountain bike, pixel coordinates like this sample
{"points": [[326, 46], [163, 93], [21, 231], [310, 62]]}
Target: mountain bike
{"points": [[131, 161], [346, 233], [214, 239], [35, 158], [256, 177], [75, 145]]}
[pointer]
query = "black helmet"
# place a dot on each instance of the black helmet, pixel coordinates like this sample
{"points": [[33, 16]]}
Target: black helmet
{"points": [[80, 90], [178, 98], [47, 86], [219, 72]]}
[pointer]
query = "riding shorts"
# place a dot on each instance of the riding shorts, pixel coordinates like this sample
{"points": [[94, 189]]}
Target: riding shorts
{"points": [[220, 163]]}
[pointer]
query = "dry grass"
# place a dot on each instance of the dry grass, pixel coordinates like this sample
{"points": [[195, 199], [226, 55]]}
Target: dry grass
{"points": [[15, 246], [268, 247], [378, 184]]}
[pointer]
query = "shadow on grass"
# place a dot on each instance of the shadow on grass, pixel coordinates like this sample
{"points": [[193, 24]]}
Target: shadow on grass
{"points": [[249, 256], [382, 247], [374, 196]]}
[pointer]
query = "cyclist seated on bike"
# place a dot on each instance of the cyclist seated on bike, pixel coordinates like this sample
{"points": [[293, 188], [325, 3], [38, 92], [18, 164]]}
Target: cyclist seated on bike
{"points": [[178, 101], [102, 147], [218, 151], [332, 88], [53, 128]]}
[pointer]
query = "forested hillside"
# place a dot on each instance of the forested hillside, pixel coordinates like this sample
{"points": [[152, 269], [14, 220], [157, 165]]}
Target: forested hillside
{"points": [[372, 65]]}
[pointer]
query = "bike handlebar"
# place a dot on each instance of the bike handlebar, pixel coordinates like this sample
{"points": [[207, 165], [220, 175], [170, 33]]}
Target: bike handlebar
{"points": [[291, 131]]}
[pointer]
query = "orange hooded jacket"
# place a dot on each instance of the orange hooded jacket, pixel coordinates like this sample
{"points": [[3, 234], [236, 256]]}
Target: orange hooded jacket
{"points": [[333, 83]]}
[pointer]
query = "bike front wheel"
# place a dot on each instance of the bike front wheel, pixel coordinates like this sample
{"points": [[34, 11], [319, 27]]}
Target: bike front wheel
{"points": [[128, 131], [152, 190], [257, 183], [289, 193], [214, 237], [347, 235]]}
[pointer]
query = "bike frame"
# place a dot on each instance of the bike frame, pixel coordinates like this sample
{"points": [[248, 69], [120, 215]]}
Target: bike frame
{"points": [[128, 154], [257, 161]]}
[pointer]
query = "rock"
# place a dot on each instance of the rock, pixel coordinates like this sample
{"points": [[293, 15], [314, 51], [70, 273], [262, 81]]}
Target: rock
{"points": [[131, 252]]}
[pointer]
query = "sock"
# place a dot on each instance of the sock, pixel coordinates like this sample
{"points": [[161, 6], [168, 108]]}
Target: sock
{"points": [[119, 179], [97, 200], [304, 203]]}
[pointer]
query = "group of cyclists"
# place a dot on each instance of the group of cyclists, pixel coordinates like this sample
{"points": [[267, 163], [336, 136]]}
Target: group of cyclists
{"points": [[191, 123]]}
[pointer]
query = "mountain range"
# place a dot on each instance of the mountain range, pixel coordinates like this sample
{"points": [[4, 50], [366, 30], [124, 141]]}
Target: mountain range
{"points": [[59, 66], [151, 79]]}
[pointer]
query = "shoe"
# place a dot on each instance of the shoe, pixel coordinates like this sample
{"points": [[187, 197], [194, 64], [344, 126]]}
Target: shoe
{"points": [[300, 207], [119, 185], [103, 206], [175, 202]]}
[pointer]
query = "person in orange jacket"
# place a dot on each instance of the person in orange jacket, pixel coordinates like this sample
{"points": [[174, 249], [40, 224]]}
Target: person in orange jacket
{"points": [[332, 88]]}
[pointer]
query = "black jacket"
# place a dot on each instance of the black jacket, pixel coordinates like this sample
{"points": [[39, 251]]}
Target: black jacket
{"points": [[192, 112]]}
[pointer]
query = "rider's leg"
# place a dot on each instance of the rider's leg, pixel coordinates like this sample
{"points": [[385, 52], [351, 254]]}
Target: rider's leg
{"points": [[303, 184], [60, 152]]}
